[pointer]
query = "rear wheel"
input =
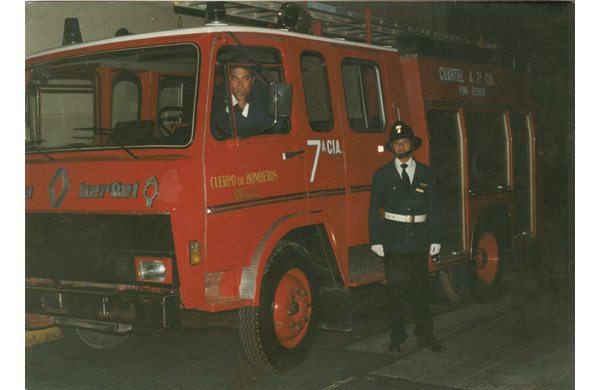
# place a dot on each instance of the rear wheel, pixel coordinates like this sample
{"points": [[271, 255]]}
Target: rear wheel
{"points": [[279, 333], [457, 282], [92, 338], [487, 258], [479, 278]]}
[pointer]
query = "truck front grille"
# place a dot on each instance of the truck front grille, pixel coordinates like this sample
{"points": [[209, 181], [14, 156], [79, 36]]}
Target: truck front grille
{"points": [[96, 248]]}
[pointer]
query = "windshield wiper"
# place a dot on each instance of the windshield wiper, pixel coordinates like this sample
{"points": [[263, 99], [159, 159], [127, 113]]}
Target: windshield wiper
{"points": [[51, 159], [36, 148], [125, 149], [107, 133]]}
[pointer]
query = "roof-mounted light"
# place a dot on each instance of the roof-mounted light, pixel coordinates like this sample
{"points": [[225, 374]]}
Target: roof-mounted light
{"points": [[215, 13], [294, 18], [71, 33], [123, 32]]}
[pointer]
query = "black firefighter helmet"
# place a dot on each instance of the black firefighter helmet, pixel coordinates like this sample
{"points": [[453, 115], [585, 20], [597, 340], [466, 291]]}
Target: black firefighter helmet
{"points": [[401, 130]]}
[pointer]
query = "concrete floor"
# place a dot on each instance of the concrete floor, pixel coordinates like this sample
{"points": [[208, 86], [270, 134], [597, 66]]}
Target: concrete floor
{"points": [[524, 340], [511, 343]]}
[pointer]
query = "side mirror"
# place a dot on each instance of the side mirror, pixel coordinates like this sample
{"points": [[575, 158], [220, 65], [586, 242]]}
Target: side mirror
{"points": [[280, 97]]}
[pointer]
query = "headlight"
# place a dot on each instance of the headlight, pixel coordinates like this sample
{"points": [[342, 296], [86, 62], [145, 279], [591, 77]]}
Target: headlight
{"points": [[154, 270]]}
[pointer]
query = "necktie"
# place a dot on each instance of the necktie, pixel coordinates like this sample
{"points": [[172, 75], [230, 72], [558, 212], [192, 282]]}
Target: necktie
{"points": [[405, 177]]}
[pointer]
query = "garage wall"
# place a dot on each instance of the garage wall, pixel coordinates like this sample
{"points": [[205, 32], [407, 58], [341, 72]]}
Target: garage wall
{"points": [[45, 20]]}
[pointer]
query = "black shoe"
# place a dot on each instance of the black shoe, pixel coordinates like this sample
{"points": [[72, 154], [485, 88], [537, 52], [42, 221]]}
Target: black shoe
{"points": [[395, 346], [432, 346]]}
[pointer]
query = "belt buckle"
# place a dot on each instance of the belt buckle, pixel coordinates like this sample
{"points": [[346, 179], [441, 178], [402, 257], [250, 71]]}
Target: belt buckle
{"points": [[410, 218]]}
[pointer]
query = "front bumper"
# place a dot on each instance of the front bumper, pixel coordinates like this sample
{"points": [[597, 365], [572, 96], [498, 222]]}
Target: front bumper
{"points": [[121, 310]]}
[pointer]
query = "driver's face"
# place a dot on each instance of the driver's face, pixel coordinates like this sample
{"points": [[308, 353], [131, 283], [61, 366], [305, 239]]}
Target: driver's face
{"points": [[240, 82]]}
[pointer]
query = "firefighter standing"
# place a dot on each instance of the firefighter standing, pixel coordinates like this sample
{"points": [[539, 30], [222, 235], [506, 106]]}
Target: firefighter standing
{"points": [[410, 230]]}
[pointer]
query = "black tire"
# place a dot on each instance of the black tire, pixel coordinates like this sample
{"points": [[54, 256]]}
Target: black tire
{"points": [[456, 283], [478, 280], [94, 339], [278, 334]]}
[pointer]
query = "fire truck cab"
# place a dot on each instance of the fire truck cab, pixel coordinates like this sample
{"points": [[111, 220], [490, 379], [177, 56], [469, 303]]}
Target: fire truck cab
{"points": [[148, 194]]}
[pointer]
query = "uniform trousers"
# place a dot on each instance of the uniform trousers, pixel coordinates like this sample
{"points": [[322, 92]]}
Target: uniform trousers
{"points": [[407, 279]]}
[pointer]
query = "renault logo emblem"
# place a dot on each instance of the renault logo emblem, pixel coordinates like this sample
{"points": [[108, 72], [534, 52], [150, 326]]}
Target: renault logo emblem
{"points": [[61, 174]]}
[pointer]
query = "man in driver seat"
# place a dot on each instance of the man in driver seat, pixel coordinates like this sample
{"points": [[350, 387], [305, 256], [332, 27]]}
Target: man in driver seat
{"points": [[249, 100]]}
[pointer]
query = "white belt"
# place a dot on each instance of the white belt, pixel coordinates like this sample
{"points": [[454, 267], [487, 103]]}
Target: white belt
{"points": [[405, 218]]}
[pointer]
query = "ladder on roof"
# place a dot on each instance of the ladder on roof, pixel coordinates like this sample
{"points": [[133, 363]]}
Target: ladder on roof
{"points": [[336, 22]]}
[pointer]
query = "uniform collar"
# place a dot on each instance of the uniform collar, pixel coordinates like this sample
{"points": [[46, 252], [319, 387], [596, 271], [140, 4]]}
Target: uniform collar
{"points": [[411, 163]]}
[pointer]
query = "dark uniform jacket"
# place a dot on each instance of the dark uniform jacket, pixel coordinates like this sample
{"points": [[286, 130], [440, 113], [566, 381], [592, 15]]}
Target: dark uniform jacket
{"points": [[258, 117], [389, 194]]}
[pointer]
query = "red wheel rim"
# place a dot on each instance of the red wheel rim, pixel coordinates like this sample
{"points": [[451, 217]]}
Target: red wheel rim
{"points": [[487, 258], [292, 308]]}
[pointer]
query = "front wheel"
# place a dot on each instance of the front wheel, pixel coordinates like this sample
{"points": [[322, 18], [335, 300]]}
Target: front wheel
{"points": [[278, 334]]}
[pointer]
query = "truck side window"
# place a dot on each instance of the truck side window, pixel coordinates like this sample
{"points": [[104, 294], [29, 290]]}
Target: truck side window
{"points": [[316, 91], [59, 105], [175, 106], [239, 80], [488, 152], [364, 97], [126, 98]]}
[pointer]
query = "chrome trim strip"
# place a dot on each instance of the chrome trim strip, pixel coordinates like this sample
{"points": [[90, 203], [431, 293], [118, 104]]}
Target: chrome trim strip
{"points": [[274, 199], [354, 190]]}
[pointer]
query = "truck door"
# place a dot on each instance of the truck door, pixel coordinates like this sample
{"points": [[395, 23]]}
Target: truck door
{"points": [[254, 168], [323, 141], [360, 88], [446, 158]]}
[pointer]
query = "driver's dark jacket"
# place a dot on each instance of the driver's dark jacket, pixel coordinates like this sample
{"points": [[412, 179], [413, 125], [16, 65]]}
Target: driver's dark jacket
{"points": [[389, 194], [257, 118]]}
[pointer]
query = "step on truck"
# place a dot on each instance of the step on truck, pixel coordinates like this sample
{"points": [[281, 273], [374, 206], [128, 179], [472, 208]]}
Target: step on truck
{"points": [[147, 198]]}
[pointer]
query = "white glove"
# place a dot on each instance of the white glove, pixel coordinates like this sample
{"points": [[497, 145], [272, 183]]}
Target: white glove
{"points": [[378, 249], [435, 249]]}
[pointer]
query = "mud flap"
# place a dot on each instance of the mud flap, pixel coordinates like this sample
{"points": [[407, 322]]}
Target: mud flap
{"points": [[336, 309]]}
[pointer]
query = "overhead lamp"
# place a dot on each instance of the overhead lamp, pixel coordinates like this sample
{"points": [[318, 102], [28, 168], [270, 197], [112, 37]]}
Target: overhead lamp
{"points": [[123, 32], [294, 18], [71, 33], [215, 13]]}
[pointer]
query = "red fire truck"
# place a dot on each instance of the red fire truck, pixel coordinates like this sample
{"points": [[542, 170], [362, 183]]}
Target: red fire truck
{"points": [[141, 205]]}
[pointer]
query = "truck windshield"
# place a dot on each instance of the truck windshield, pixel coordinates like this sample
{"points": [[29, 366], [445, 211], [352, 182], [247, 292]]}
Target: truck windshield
{"points": [[127, 98]]}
